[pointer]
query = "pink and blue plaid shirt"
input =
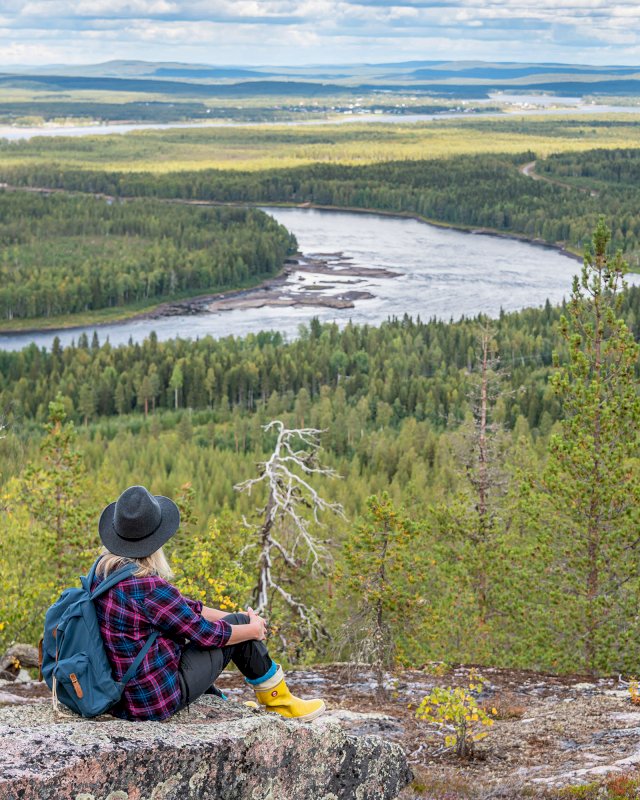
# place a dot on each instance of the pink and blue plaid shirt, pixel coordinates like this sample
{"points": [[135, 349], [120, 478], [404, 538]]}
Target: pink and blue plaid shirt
{"points": [[128, 613]]}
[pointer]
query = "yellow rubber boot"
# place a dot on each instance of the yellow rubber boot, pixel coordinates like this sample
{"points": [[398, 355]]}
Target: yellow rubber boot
{"points": [[274, 695]]}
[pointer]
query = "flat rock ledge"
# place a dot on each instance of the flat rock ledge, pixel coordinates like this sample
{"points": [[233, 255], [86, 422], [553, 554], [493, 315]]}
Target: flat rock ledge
{"points": [[215, 749]]}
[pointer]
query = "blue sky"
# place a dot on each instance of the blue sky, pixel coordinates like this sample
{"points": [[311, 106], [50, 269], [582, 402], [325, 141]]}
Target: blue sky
{"points": [[263, 32]]}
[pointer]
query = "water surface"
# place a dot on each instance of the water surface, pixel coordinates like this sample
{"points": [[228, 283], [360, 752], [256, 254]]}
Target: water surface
{"points": [[536, 105], [442, 273]]}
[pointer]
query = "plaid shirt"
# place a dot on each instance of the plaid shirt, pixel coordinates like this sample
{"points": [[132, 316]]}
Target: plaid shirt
{"points": [[128, 613]]}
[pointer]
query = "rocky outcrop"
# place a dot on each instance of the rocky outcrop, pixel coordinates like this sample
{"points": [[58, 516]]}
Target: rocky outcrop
{"points": [[15, 659], [215, 749]]}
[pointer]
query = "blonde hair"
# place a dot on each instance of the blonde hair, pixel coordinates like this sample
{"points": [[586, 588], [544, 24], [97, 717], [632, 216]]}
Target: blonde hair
{"points": [[155, 564]]}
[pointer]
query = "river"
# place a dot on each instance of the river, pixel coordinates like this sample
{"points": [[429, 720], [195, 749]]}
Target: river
{"points": [[514, 104], [440, 273]]}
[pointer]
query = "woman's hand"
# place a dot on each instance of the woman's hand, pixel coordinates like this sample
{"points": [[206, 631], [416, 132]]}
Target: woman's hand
{"points": [[255, 629], [258, 623]]}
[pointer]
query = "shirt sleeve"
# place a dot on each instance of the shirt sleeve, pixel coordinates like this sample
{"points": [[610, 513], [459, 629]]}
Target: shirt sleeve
{"points": [[169, 611], [195, 605]]}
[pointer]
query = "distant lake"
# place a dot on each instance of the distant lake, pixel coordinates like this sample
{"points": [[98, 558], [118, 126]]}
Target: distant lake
{"points": [[442, 273]]}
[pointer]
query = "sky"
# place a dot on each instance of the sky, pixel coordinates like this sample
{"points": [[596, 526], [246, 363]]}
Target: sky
{"points": [[286, 32]]}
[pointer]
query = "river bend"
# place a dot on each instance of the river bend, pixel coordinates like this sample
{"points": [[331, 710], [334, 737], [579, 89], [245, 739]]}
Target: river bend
{"points": [[440, 273]]}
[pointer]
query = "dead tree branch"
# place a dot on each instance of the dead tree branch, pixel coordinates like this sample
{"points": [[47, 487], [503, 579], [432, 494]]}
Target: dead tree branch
{"points": [[291, 501]]}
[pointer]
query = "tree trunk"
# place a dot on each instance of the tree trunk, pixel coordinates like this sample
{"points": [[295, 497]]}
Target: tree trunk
{"points": [[261, 590], [483, 484], [380, 657], [593, 523]]}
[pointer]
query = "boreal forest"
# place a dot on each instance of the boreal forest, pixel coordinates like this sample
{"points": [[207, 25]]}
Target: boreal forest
{"points": [[487, 469]]}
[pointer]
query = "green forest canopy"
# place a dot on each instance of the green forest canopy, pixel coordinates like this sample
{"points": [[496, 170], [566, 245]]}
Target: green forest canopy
{"points": [[396, 402], [62, 254], [481, 191]]}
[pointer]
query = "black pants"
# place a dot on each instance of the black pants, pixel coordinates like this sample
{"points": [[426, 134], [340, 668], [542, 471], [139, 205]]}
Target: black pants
{"points": [[200, 666]]}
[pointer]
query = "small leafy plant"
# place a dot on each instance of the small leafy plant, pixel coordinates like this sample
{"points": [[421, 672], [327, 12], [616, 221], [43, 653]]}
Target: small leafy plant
{"points": [[456, 714], [619, 787], [436, 668], [505, 705], [634, 692], [623, 787]]}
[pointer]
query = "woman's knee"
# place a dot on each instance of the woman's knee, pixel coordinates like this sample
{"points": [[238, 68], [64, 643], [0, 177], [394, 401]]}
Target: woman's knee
{"points": [[199, 667], [237, 619]]}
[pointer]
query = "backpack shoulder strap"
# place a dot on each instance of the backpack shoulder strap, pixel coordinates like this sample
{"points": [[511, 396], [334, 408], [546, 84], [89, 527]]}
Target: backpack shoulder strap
{"points": [[115, 577], [92, 573], [108, 583], [139, 659]]}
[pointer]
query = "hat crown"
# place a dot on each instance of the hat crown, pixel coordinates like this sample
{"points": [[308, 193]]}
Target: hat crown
{"points": [[138, 523], [137, 513]]}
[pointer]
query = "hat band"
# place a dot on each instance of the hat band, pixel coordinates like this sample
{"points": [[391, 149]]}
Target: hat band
{"points": [[134, 538]]}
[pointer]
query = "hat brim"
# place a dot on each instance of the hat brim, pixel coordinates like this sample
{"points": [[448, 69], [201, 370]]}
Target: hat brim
{"points": [[139, 548]]}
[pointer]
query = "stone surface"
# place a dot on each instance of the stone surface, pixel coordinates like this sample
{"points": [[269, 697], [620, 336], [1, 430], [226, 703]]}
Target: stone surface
{"points": [[551, 733], [215, 749]]}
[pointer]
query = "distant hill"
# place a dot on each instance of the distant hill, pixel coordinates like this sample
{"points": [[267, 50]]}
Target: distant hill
{"points": [[245, 89], [451, 79], [207, 72], [508, 72]]}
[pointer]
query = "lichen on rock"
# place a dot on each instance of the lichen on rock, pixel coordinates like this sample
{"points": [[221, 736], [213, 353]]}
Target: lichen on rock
{"points": [[215, 749]]}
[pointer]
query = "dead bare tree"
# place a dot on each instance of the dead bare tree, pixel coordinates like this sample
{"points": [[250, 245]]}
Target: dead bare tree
{"points": [[283, 535], [478, 448], [485, 475], [482, 465]]}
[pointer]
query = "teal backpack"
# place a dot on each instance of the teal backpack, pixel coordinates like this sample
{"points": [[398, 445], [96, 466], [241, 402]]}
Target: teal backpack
{"points": [[74, 662]]}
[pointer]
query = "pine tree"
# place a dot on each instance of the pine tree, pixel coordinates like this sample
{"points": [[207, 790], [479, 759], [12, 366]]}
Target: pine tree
{"points": [[592, 479], [87, 402], [49, 530], [379, 586], [145, 392], [55, 495]]}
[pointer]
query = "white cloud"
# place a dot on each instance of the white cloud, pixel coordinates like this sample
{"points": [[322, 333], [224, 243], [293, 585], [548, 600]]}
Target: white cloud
{"points": [[304, 31], [171, 32], [97, 8], [24, 53]]}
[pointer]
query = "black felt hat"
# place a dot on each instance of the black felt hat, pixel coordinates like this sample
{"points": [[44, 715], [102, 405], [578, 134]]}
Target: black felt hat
{"points": [[138, 523]]}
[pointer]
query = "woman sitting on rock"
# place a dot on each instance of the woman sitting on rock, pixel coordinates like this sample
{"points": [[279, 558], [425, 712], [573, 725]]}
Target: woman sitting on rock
{"points": [[194, 643]]}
